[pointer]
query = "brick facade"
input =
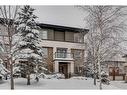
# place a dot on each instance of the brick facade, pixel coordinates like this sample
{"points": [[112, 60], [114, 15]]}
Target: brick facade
{"points": [[49, 59]]}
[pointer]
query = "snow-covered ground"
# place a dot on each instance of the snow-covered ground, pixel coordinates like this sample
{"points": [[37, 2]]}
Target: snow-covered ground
{"points": [[73, 83], [119, 84]]}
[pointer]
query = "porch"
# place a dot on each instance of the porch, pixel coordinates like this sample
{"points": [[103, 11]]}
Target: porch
{"points": [[64, 67]]}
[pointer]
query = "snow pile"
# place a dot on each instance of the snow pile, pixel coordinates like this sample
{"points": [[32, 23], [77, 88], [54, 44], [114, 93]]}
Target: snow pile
{"points": [[41, 75], [79, 78], [51, 76], [56, 76]]}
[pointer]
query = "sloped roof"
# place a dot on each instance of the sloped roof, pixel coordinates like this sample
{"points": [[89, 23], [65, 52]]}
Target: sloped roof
{"points": [[62, 28]]}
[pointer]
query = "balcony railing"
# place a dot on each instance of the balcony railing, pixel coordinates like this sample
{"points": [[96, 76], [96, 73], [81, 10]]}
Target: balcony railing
{"points": [[62, 55]]}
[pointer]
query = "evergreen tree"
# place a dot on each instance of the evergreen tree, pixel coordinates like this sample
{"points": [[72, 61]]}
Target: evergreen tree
{"points": [[26, 43]]}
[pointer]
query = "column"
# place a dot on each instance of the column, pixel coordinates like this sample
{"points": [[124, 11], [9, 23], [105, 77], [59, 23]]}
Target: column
{"points": [[56, 66], [54, 50], [69, 55], [72, 67]]}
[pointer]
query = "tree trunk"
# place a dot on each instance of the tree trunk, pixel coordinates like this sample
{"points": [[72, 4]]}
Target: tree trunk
{"points": [[94, 78], [28, 73], [37, 79], [28, 79], [113, 73], [99, 75], [12, 80]]}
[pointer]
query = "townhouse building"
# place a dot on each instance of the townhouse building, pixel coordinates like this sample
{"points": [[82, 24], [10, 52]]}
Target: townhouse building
{"points": [[63, 48]]}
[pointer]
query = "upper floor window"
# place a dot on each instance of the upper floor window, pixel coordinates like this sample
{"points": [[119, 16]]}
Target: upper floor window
{"points": [[43, 34], [78, 38], [59, 35]]}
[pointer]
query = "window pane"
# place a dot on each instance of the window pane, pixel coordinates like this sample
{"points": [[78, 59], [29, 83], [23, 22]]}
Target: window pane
{"points": [[59, 36], [69, 36], [61, 52]]}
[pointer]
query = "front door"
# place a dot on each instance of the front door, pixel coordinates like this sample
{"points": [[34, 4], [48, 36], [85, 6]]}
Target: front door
{"points": [[63, 68]]}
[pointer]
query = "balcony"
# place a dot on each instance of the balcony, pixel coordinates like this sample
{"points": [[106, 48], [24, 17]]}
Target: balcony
{"points": [[63, 56]]}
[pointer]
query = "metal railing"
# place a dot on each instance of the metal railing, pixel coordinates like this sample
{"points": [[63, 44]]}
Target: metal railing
{"points": [[63, 55]]}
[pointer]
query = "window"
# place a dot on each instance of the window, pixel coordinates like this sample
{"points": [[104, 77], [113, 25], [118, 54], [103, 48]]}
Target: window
{"points": [[43, 34], [77, 54], [59, 35], [61, 52], [69, 36], [78, 38]]}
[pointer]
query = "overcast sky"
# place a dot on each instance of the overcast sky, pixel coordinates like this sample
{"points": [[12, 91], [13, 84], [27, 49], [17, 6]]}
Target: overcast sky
{"points": [[61, 15]]}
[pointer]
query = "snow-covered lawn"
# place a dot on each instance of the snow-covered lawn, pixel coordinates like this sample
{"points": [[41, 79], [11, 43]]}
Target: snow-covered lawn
{"points": [[73, 83], [119, 84]]}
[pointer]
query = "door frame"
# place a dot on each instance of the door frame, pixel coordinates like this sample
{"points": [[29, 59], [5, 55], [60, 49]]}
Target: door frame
{"points": [[64, 67]]}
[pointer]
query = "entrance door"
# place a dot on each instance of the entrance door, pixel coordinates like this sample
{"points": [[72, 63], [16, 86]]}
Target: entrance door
{"points": [[63, 68]]}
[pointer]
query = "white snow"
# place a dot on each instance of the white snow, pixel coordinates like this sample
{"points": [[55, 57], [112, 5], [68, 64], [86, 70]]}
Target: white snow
{"points": [[80, 83], [22, 43], [3, 70], [30, 35], [43, 68], [21, 25], [16, 69], [35, 31], [26, 51], [27, 28], [36, 56]]}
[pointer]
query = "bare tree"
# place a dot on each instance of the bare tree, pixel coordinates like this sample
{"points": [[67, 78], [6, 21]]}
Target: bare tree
{"points": [[8, 15], [105, 23]]}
